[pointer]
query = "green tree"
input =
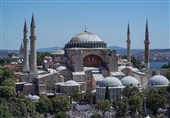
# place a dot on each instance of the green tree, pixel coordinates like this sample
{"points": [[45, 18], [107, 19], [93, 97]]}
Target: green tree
{"points": [[88, 95], [4, 61], [17, 107], [167, 74], [60, 103], [75, 94], [103, 105], [61, 115], [4, 109], [8, 82], [121, 107], [136, 63], [135, 103], [107, 94], [31, 109], [168, 89], [155, 100], [7, 92], [40, 57], [44, 106], [6, 73], [166, 65], [129, 91], [96, 115]]}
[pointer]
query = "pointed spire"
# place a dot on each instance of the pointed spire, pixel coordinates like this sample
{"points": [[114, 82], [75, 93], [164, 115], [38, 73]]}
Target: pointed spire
{"points": [[21, 49], [32, 21], [147, 31], [128, 30], [85, 29], [25, 26]]}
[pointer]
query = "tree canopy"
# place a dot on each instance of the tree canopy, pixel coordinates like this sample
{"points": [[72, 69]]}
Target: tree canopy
{"points": [[155, 100]]}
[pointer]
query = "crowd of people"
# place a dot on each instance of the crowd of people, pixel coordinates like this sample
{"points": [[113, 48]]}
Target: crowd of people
{"points": [[86, 111]]}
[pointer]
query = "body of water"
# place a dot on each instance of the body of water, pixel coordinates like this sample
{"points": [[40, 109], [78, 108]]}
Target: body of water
{"points": [[157, 65]]}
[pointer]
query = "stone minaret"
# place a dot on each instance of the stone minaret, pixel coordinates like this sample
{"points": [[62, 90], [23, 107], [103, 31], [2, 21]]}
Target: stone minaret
{"points": [[128, 45], [21, 51], [25, 50], [147, 46], [33, 55]]}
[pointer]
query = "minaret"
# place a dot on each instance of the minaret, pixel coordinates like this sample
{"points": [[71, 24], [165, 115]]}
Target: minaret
{"points": [[128, 44], [25, 50], [33, 55], [21, 51], [147, 46]]}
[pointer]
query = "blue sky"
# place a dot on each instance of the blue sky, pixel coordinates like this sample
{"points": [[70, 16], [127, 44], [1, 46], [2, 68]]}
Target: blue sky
{"points": [[58, 21]]}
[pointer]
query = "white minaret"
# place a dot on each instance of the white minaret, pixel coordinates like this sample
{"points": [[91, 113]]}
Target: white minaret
{"points": [[25, 50], [33, 53], [128, 45]]}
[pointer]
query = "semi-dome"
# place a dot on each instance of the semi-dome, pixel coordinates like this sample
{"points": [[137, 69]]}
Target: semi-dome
{"points": [[130, 81], [85, 40], [71, 83], [158, 81], [110, 82]]}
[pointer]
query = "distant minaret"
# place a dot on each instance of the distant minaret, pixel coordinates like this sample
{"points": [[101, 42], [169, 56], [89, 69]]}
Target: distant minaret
{"points": [[128, 44], [147, 46], [25, 50], [21, 51], [33, 55]]}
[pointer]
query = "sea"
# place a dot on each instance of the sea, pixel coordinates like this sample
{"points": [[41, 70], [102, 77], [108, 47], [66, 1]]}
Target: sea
{"points": [[157, 65]]}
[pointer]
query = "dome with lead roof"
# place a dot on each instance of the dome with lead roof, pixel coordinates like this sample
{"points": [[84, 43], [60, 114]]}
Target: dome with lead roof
{"points": [[158, 81], [130, 81], [85, 40], [110, 82]]}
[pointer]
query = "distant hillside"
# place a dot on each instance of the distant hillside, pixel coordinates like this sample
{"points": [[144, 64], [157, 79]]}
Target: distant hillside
{"points": [[117, 48], [50, 49], [5, 53]]}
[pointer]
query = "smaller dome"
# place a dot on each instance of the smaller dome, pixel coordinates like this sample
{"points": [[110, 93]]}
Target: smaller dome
{"points": [[71, 83], [110, 82], [158, 80], [130, 81]]}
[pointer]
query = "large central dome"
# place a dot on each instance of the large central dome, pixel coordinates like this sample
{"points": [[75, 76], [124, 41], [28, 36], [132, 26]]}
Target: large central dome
{"points": [[85, 37], [85, 40]]}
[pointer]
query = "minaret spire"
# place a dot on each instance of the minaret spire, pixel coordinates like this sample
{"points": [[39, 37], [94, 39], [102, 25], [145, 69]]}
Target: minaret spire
{"points": [[33, 53], [32, 21], [25, 27], [147, 31], [147, 46], [25, 49], [128, 44]]}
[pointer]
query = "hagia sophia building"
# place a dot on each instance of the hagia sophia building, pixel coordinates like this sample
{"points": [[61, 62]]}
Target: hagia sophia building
{"points": [[85, 62]]}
